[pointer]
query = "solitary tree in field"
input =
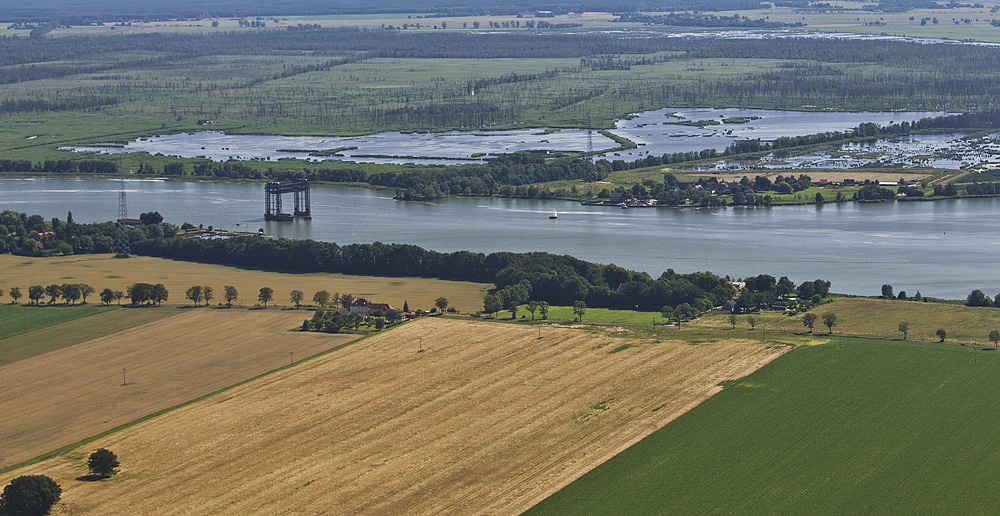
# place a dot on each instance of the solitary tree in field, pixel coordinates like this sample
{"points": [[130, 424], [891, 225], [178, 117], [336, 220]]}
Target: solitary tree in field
{"points": [[266, 295], [230, 294], [15, 294], [296, 297], [102, 462], [30, 494], [36, 293], [194, 294], [206, 293], [579, 308], [321, 298], [732, 320], [809, 320], [752, 321], [107, 296], [441, 303], [830, 320], [941, 333], [543, 309], [887, 291], [995, 337], [904, 328]]}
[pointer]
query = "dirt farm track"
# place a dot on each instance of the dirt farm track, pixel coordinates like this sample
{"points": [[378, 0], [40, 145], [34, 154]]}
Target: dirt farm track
{"points": [[487, 419]]}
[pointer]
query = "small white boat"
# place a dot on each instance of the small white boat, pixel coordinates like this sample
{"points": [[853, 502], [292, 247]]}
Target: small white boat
{"points": [[553, 216]]}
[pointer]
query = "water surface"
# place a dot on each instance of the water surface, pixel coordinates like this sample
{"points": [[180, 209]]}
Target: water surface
{"points": [[942, 248]]}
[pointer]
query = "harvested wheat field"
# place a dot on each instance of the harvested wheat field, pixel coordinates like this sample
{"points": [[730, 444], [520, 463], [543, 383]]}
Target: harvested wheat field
{"points": [[58, 398], [103, 271], [488, 419]]}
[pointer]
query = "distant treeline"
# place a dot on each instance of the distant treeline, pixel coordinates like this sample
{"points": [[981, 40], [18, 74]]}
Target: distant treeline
{"points": [[687, 19], [83, 11], [813, 72], [49, 57]]}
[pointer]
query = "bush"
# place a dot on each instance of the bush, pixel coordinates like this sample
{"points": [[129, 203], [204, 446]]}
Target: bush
{"points": [[102, 462], [30, 494]]}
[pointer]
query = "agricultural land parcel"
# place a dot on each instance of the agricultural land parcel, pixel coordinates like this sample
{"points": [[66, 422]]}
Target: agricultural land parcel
{"points": [[104, 271], [865, 427], [488, 418], [53, 399], [881, 318]]}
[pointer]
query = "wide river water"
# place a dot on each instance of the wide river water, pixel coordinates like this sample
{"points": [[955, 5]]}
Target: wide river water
{"points": [[942, 248]]}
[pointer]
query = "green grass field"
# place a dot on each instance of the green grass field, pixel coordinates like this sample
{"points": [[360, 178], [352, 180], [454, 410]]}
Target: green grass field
{"points": [[18, 319], [605, 315], [870, 427], [880, 318], [66, 326]]}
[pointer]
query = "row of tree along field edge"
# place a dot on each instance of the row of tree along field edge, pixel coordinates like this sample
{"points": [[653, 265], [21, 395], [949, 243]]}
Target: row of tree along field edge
{"points": [[558, 280], [851, 426]]}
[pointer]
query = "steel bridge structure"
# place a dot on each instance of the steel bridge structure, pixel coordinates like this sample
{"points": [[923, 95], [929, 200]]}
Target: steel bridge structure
{"points": [[299, 189]]}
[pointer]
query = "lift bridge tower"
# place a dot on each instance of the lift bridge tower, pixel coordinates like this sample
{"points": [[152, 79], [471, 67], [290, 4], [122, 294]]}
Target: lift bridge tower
{"points": [[122, 246], [299, 189]]}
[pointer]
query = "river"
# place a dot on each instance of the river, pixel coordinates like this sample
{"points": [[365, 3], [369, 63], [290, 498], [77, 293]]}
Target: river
{"points": [[942, 248]]}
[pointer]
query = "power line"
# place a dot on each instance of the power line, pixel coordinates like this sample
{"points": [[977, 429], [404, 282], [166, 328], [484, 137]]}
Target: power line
{"points": [[121, 240]]}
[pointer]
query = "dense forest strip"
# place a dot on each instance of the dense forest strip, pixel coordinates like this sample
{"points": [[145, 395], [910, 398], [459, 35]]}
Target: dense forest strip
{"points": [[519, 277]]}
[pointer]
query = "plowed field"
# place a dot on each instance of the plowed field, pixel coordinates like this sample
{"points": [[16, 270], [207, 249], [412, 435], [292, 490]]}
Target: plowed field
{"points": [[58, 398], [487, 419]]}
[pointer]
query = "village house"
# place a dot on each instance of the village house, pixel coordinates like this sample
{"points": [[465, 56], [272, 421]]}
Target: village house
{"points": [[363, 307]]}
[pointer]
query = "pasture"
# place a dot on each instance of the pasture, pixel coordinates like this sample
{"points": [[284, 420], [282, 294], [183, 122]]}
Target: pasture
{"points": [[104, 271], [488, 418], [66, 326], [17, 319], [880, 318], [868, 427], [604, 315], [58, 398]]}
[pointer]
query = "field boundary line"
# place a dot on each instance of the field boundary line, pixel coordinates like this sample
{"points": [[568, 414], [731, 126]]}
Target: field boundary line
{"points": [[69, 447]]}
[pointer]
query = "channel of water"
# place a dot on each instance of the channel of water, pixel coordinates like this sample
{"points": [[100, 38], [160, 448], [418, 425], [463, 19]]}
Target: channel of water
{"points": [[941, 248]]}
